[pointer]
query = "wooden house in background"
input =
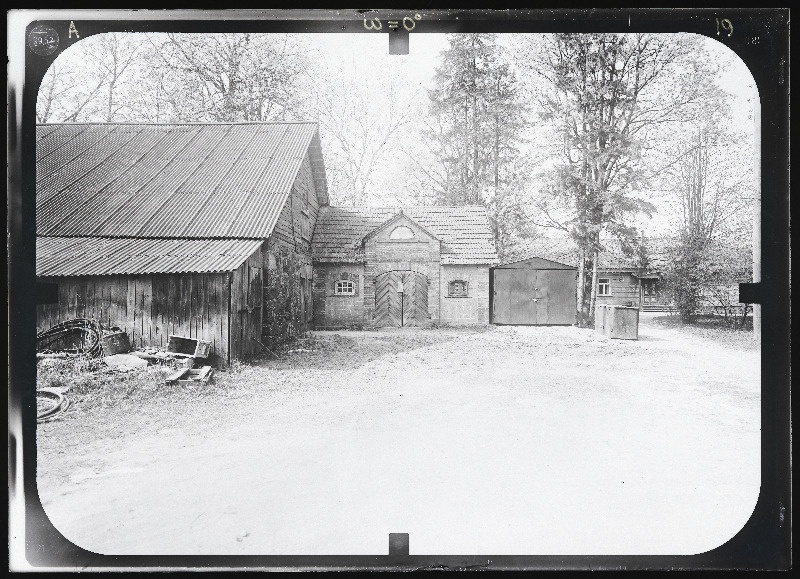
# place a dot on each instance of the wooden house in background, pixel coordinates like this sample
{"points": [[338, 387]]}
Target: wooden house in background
{"points": [[622, 278], [200, 230]]}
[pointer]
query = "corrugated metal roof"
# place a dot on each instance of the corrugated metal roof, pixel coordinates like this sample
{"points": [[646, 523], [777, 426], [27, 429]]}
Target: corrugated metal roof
{"points": [[184, 180], [464, 231], [74, 256]]}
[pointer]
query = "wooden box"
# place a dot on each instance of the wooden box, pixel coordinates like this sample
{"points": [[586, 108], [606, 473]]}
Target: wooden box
{"points": [[188, 377], [116, 343], [622, 323], [600, 318], [183, 346]]}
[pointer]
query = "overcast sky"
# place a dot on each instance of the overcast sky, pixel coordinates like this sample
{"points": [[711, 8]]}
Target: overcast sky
{"points": [[364, 57], [363, 62]]}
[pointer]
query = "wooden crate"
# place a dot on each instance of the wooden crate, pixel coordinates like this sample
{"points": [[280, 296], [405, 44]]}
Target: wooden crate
{"points": [[116, 343], [600, 318], [183, 346], [187, 376], [622, 323]]}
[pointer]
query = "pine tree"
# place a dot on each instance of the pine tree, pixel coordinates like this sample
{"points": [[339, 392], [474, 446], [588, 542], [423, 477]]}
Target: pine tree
{"points": [[478, 121]]}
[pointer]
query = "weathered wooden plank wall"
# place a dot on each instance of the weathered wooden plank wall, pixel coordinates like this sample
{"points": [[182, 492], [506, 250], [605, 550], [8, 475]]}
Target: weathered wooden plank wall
{"points": [[246, 307], [624, 288], [147, 307]]}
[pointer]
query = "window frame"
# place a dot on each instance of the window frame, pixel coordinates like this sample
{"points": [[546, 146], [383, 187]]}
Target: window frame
{"points": [[600, 284], [337, 288], [451, 285]]}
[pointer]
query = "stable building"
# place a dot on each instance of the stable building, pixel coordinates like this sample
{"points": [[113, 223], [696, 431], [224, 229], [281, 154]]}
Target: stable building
{"points": [[199, 230], [400, 267]]}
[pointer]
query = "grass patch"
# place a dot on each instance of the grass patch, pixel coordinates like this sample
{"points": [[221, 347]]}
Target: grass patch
{"points": [[714, 328]]}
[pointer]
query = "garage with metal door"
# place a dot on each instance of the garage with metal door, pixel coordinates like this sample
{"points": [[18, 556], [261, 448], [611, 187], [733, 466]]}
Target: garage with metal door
{"points": [[533, 292]]}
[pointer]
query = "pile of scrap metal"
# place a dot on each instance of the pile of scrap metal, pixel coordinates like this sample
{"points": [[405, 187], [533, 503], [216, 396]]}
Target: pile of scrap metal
{"points": [[50, 403], [73, 337], [84, 337]]}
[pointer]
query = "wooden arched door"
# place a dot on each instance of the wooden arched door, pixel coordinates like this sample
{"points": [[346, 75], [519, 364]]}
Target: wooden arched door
{"points": [[401, 299]]}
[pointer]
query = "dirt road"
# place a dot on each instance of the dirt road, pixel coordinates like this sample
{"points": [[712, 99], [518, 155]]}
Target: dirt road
{"points": [[516, 440]]}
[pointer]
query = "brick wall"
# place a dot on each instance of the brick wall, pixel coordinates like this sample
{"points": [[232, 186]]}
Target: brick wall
{"points": [[473, 309], [330, 310]]}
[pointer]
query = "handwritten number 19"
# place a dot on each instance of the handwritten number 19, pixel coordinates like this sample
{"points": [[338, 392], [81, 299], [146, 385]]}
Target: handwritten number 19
{"points": [[726, 24]]}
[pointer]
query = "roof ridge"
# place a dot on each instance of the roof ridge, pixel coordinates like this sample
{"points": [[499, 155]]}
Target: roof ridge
{"points": [[397, 208], [136, 123]]}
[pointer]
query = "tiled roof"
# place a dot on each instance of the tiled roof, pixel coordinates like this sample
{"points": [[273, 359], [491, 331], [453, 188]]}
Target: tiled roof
{"points": [[464, 231], [71, 256], [178, 180]]}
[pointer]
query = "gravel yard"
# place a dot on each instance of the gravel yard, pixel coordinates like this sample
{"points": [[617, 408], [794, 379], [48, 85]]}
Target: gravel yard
{"points": [[507, 440]]}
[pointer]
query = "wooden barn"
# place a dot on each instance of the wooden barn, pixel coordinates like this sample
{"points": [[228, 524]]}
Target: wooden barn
{"points": [[200, 230], [533, 291]]}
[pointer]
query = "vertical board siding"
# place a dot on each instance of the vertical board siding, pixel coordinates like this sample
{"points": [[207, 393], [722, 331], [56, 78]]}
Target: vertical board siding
{"points": [[147, 307], [246, 307]]}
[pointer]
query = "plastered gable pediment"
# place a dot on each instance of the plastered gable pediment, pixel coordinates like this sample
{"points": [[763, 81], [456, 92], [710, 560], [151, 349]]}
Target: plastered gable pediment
{"points": [[383, 233]]}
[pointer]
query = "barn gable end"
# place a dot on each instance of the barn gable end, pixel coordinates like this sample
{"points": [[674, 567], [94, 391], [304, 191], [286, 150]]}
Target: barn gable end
{"points": [[186, 221]]}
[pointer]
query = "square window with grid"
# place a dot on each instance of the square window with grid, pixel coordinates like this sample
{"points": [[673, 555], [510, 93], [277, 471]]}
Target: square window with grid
{"points": [[604, 286], [345, 288]]}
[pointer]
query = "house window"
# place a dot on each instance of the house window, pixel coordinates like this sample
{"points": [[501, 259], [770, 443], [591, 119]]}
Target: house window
{"points": [[457, 289], [604, 286], [401, 232], [345, 288]]}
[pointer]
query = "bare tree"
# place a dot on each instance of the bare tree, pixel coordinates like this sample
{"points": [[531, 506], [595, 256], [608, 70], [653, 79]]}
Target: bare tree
{"points": [[57, 80], [88, 82], [360, 127], [232, 77], [114, 55]]}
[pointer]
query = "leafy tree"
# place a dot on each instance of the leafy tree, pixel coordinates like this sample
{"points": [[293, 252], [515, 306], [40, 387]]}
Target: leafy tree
{"points": [[605, 96], [711, 190]]}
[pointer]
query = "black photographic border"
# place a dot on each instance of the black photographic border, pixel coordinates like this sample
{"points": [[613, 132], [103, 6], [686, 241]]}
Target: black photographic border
{"points": [[763, 543]]}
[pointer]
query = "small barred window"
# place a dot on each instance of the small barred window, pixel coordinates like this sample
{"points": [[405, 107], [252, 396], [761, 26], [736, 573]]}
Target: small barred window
{"points": [[457, 289], [345, 288]]}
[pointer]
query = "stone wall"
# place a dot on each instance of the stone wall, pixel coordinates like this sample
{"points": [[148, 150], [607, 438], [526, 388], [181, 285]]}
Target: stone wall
{"points": [[287, 292], [473, 309], [330, 310]]}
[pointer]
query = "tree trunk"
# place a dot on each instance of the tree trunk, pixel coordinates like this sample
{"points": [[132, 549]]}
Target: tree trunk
{"points": [[581, 287], [593, 300]]}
